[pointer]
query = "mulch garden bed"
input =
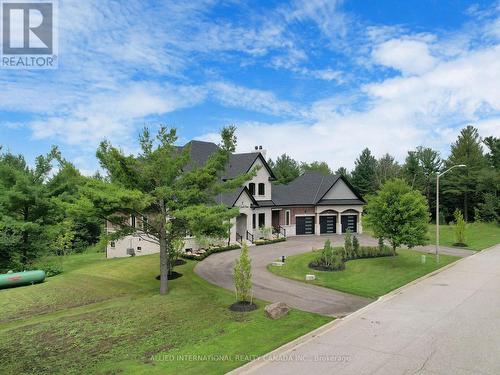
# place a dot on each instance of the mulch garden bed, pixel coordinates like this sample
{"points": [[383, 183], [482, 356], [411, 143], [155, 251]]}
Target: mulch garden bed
{"points": [[243, 306]]}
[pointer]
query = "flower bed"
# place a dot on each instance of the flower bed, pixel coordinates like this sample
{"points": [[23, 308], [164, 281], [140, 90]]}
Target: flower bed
{"points": [[201, 256], [267, 242]]}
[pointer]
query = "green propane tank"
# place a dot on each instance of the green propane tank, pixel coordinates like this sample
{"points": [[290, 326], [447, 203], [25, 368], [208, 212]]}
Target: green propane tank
{"points": [[8, 280]]}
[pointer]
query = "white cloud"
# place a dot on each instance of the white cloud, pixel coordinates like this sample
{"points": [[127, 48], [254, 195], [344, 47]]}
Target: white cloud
{"points": [[251, 99], [427, 105], [406, 55]]}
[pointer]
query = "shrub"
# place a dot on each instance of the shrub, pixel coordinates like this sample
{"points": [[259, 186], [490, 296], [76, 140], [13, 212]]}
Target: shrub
{"points": [[243, 276], [459, 228], [381, 243], [266, 232], [52, 267], [348, 245], [267, 242], [329, 259], [355, 246], [374, 252], [209, 252]]}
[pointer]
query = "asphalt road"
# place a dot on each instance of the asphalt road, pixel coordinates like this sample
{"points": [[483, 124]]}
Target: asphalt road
{"points": [[218, 268], [447, 323]]}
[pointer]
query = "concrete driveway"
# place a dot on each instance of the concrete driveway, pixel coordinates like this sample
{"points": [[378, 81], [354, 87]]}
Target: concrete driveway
{"points": [[218, 268], [447, 323]]}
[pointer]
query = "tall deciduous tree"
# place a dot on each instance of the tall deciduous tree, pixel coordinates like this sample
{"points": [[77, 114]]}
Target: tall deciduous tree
{"points": [[316, 166], [163, 186], [386, 169], [363, 176], [462, 182], [399, 214], [285, 169]]}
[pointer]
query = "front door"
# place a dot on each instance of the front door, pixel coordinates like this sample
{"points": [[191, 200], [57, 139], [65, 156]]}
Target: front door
{"points": [[349, 222], [275, 219], [304, 225]]}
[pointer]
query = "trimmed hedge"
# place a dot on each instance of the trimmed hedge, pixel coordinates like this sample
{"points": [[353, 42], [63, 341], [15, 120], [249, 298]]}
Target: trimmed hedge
{"points": [[373, 252], [267, 242], [334, 259], [210, 251]]}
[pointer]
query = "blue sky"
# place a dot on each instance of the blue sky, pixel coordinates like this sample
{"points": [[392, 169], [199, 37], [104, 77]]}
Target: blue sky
{"points": [[317, 79]]}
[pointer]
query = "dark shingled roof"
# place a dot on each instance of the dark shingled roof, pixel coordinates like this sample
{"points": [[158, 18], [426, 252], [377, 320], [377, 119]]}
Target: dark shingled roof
{"points": [[309, 189], [229, 198], [306, 189], [238, 163], [200, 152]]}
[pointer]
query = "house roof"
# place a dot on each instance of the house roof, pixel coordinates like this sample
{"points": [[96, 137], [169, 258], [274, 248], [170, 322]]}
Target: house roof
{"points": [[199, 153], [309, 189], [229, 198], [238, 163]]}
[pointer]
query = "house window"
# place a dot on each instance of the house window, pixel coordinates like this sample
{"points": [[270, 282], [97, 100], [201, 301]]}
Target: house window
{"points": [[254, 221], [132, 221], [251, 187], [262, 189], [112, 244], [287, 217], [262, 220]]}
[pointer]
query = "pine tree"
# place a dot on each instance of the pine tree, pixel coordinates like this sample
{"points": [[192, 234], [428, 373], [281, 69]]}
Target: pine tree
{"points": [[363, 176], [462, 182], [285, 169], [316, 166]]}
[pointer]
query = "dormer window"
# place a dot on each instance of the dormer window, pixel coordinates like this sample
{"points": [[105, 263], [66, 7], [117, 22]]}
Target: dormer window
{"points": [[251, 187], [262, 189]]}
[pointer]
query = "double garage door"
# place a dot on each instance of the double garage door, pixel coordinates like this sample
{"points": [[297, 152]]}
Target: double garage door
{"points": [[327, 224]]}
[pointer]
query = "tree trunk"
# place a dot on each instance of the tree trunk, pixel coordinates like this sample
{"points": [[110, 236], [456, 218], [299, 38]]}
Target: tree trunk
{"points": [[164, 249], [163, 265]]}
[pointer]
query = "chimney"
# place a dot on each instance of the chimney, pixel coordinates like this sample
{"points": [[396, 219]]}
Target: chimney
{"points": [[262, 151]]}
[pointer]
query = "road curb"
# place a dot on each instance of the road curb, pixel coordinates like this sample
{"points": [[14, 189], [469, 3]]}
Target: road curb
{"points": [[259, 362]]}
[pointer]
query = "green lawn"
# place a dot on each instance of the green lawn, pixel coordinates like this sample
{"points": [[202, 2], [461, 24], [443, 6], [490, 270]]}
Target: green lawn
{"points": [[365, 277], [479, 236], [106, 317]]}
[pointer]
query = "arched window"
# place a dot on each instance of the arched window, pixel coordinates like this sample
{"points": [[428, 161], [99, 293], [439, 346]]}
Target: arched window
{"points": [[251, 187], [262, 189]]}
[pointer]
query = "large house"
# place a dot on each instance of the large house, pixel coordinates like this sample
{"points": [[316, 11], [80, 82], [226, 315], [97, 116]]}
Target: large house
{"points": [[312, 204]]}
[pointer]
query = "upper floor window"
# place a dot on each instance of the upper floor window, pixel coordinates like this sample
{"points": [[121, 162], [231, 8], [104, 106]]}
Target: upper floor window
{"points": [[251, 187], [132, 221], [262, 189]]}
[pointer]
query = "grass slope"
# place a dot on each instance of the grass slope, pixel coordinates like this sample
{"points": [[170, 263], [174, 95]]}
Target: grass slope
{"points": [[105, 316], [478, 236], [364, 277]]}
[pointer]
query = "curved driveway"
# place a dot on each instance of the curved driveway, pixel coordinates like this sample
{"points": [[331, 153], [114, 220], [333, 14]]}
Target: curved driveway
{"points": [[218, 268]]}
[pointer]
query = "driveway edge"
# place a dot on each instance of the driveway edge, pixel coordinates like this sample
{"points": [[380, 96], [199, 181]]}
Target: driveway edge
{"points": [[299, 341]]}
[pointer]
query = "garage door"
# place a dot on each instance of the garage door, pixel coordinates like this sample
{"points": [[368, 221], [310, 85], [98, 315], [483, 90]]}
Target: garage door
{"points": [[304, 225], [327, 224], [351, 222]]}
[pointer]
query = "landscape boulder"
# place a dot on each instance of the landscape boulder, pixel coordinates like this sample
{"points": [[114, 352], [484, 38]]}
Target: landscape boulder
{"points": [[277, 310]]}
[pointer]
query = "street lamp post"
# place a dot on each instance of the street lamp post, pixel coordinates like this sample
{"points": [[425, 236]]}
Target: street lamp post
{"points": [[437, 206]]}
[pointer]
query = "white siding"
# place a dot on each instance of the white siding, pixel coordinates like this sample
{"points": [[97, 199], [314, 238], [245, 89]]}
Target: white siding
{"points": [[340, 190], [261, 177]]}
